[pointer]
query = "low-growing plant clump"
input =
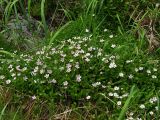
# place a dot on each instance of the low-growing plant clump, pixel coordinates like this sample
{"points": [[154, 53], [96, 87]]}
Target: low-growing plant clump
{"points": [[85, 69]]}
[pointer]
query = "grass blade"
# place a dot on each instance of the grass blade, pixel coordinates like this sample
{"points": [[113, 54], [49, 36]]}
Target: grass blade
{"points": [[2, 112], [121, 26], [8, 53], [29, 7], [57, 33], [14, 118], [125, 107], [43, 18]]}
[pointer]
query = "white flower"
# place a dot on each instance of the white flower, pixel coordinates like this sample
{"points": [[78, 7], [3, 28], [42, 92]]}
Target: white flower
{"points": [[112, 57], [96, 84], [8, 81], [142, 106], [130, 76], [53, 81], [120, 97], [156, 108], [68, 70], [99, 53], [88, 97], [63, 55], [101, 73], [39, 62], [78, 46], [140, 68], [103, 86], [78, 78], [154, 69], [35, 81], [10, 66], [105, 60], [121, 74], [136, 69], [148, 71], [110, 94], [90, 49], [154, 77], [2, 77], [11, 70], [152, 100], [25, 78], [65, 83], [131, 114], [129, 61], [112, 65], [87, 54], [113, 46], [157, 5], [115, 95], [87, 30], [111, 36], [119, 103], [116, 88], [105, 30], [49, 71], [18, 68], [77, 65], [151, 112], [41, 71], [76, 54], [35, 69], [68, 65], [46, 76], [33, 97], [87, 59], [101, 40]]}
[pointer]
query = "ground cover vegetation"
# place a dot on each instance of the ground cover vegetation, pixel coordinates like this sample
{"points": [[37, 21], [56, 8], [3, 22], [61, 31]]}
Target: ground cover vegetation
{"points": [[79, 60]]}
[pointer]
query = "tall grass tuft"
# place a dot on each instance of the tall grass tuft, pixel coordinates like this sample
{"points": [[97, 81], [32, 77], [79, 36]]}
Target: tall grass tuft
{"points": [[8, 10]]}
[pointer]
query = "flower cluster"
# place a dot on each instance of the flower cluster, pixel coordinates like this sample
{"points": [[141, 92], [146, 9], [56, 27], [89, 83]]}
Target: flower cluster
{"points": [[81, 68]]}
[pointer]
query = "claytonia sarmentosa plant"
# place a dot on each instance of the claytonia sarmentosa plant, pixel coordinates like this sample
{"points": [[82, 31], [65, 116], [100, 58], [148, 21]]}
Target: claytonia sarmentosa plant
{"points": [[78, 69]]}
